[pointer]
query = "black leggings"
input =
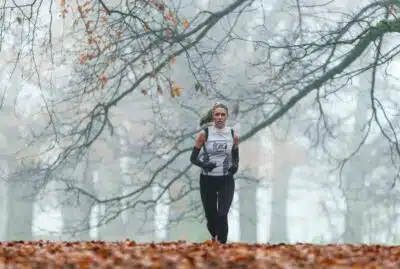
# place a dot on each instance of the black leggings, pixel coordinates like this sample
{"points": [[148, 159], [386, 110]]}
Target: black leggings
{"points": [[217, 195]]}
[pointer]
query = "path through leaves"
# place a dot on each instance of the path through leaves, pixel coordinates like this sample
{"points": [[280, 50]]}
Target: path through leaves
{"points": [[180, 254]]}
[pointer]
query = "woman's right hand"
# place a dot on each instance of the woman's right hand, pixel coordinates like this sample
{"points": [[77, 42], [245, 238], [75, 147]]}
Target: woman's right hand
{"points": [[208, 167]]}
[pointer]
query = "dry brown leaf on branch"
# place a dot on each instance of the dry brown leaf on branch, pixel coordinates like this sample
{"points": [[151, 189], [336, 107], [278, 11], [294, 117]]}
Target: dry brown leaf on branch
{"points": [[176, 90]]}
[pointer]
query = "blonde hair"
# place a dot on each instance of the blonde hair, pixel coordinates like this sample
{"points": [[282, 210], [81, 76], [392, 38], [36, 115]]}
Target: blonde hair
{"points": [[208, 116]]}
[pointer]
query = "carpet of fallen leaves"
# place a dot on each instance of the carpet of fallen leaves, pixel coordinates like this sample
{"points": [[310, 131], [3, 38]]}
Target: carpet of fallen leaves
{"points": [[180, 254]]}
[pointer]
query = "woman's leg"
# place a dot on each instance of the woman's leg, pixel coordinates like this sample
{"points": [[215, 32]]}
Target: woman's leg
{"points": [[208, 195], [225, 196]]}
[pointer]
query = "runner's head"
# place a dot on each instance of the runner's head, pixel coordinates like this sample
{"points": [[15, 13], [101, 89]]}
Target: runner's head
{"points": [[217, 114]]}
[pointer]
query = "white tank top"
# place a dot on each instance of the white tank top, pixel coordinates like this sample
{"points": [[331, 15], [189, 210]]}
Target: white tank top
{"points": [[218, 149]]}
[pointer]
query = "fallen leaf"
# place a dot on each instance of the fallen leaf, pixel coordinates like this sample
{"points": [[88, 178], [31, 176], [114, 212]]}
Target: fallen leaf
{"points": [[181, 254]]}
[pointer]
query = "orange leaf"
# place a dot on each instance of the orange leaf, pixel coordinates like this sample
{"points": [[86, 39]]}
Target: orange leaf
{"points": [[82, 58], [84, 265], [103, 80], [176, 90], [185, 24]]}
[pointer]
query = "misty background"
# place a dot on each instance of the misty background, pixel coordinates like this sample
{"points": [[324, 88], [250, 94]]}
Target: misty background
{"points": [[99, 149]]}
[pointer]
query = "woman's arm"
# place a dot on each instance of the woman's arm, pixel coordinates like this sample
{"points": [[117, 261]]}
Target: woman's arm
{"points": [[235, 140], [200, 139], [194, 157], [235, 155]]}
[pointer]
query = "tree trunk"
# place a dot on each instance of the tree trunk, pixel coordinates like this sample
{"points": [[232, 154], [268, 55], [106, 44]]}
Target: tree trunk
{"points": [[279, 201], [138, 221], [3, 209], [248, 210], [77, 208], [286, 156], [20, 203], [113, 229], [354, 172], [139, 225], [353, 232]]}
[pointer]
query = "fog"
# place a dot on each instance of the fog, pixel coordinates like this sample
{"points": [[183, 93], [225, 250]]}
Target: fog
{"points": [[100, 111]]}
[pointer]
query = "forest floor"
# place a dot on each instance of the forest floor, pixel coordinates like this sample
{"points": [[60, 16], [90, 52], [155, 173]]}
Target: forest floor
{"points": [[181, 254]]}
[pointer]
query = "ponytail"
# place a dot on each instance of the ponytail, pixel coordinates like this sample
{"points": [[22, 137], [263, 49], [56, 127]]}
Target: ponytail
{"points": [[207, 117]]}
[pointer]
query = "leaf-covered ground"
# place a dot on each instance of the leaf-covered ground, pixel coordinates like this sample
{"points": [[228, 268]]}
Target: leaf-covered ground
{"points": [[128, 254]]}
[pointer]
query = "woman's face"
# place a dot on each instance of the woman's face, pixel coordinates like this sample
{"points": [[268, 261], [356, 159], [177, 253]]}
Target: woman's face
{"points": [[219, 117]]}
